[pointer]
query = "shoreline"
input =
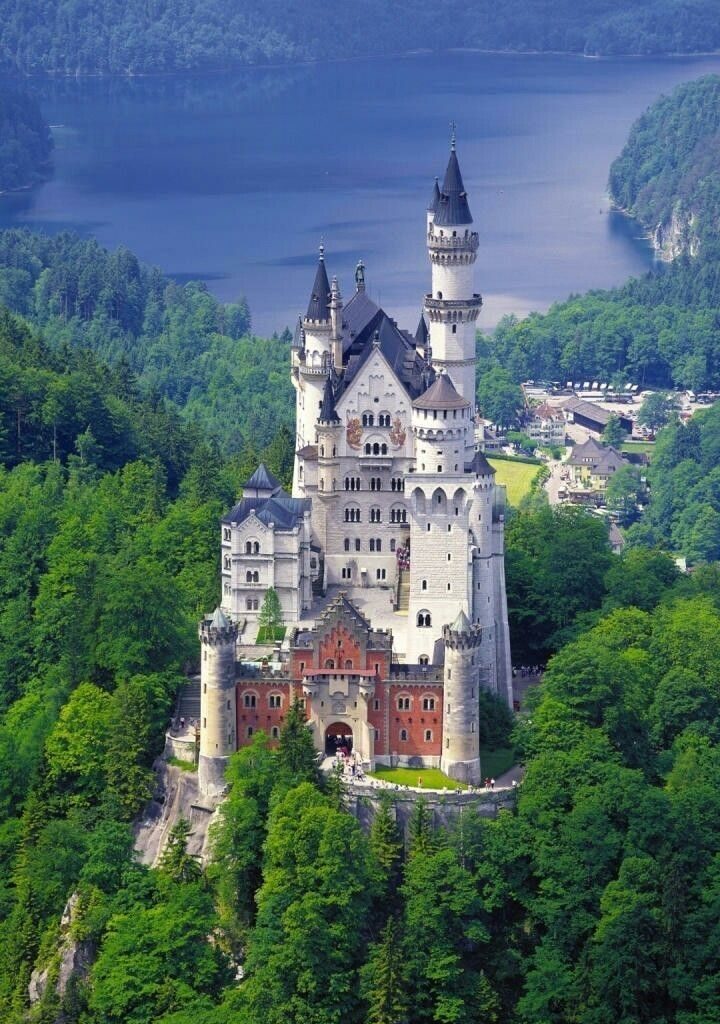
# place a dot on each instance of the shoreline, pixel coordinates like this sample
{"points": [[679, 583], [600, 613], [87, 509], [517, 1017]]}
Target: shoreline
{"points": [[224, 69]]}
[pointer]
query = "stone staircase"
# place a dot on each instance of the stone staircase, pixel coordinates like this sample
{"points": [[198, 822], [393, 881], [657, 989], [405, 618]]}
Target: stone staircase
{"points": [[403, 591], [188, 705]]}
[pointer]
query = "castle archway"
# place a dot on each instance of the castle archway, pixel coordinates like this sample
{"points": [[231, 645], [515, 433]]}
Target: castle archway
{"points": [[338, 736]]}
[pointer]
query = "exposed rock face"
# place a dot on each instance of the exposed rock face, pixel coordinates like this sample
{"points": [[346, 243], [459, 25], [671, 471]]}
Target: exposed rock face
{"points": [[74, 959], [676, 237], [444, 809], [176, 796]]}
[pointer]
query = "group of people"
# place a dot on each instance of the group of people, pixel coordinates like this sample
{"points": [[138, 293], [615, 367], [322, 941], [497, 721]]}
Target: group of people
{"points": [[527, 670]]}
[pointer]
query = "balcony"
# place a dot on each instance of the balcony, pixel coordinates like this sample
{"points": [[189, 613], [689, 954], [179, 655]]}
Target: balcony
{"points": [[448, 242]]}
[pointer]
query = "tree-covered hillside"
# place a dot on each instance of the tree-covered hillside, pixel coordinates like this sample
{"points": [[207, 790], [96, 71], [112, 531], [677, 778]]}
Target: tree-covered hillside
{"points": [[68, 37], [662, 329], [178, 340], [25, 141], [668, 174]]}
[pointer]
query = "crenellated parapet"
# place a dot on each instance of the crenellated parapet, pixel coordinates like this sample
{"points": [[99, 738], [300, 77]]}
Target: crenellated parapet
{"points": [[466, 640]]}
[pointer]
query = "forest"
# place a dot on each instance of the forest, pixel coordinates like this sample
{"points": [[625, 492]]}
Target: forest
{"points": [[141, 37], [177, 341], [25, 141], [592, 903], [667, 174]]}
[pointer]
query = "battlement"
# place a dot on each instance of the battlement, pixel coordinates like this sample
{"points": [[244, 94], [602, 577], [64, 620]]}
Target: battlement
{"points": [[217, 635], [468, 639]]}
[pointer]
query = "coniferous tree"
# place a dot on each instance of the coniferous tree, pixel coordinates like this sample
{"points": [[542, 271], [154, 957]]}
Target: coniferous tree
{"points": [[176, 862], [296, 751], [383, 984]]}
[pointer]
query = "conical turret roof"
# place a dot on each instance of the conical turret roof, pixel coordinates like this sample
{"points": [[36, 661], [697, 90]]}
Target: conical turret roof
{"points": [[441, 395], [421, 334], [219, 619], [461, 623], [319, 304], [434, 198], [452, 206], [328, 413]]}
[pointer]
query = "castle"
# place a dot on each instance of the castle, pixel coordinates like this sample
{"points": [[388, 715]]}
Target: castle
{"points": [[388, 557]]}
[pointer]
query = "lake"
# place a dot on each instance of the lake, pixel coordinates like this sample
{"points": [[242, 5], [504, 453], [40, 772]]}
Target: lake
{"points": [[235, 178]]}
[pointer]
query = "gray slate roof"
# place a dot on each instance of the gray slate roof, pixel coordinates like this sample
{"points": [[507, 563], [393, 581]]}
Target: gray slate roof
{"points": [[362, 320], [263, 480], [219, 620], [434, 198], [441, 395], [452, 206], [461, 623], [282, 510], [328, 413], [319, 304], [479, 465]]}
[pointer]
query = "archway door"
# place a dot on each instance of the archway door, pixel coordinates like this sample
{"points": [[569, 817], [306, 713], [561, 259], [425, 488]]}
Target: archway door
{"points": [[338, 736]]}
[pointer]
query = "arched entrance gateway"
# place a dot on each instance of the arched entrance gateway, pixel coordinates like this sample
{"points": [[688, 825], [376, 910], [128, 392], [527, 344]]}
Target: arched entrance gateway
{"points": [[338, 736]]}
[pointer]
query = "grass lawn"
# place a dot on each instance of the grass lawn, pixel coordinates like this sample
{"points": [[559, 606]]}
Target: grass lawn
{"points": [[516, 476], [496, 762], [187, 766], [646, 447], [264, 636], [432, 778]]}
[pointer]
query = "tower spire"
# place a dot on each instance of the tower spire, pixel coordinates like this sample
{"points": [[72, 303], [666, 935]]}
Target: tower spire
{"points": [[319, 304], [453, 137]]}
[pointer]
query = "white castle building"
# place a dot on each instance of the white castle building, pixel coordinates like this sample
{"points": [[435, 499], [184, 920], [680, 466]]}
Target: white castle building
{"points": [[388, 490]]}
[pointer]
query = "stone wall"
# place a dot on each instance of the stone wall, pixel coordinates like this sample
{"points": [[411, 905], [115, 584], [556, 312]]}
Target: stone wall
{"points": [[364, 801]]}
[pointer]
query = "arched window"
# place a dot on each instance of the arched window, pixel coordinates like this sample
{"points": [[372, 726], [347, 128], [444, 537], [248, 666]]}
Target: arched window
{"points": [[424, 660], [375, 514], [428, 702], [329, 663], [424, 619], [250, 700], [248, 547], [249, 731], [346, 544], [348, 663], [428, 735], [226, 533], [248, 577], [383, 449], [357, 543], [275, 700], [226, 562], [403, 735], [256, 548], [368, 449], [256, 577], [403, 703], [368, 419], [248, 604], [275, 733], [423, 585], [392, 543]]}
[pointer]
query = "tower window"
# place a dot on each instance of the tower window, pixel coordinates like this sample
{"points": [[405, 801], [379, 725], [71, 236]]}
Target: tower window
{"points": [[275, 700], [403, 735], [423, 585], [428, 735], [428, 703], [275, 733], [249, 700], [424, 660], [403, 703], [454, 328]]}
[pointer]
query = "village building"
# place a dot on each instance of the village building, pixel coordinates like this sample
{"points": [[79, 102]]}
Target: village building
{"points": [[545, 424]]}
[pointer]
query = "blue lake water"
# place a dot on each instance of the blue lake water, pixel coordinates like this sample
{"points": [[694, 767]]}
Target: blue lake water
{"points": [[235, 178]]}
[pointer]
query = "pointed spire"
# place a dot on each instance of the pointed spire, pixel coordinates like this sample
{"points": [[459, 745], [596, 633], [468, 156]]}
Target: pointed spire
{"points": [[452, 207], [434, 198], [219, 619], [319, 305], [328, 413], [421, 334]]}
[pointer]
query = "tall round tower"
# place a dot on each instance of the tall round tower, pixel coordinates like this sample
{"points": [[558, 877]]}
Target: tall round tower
{"points": [[312, 359], [218, 717], [460, 757], [452, 307]]}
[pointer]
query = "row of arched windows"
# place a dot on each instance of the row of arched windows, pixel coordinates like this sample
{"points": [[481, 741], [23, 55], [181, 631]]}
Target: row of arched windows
{"points": [[252, 700], [368, 419], [398, 515], [405, 702], [352, 515], [376, 449], [352, 483], [428, 735], [252, 577], [375, 544], [252, 547]]}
